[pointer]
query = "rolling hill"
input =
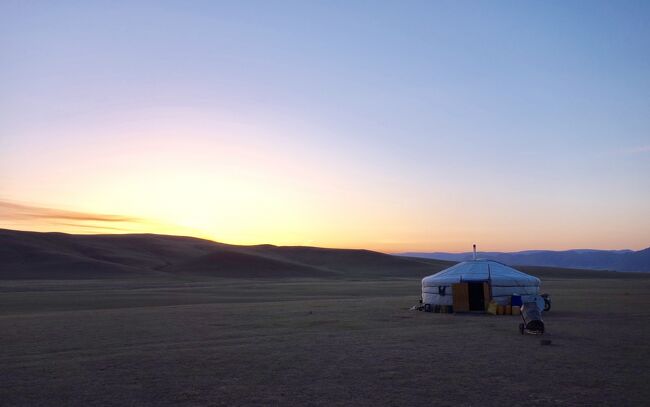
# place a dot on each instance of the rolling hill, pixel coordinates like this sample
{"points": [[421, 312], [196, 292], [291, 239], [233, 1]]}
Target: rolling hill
{"points": [[35, 255]]}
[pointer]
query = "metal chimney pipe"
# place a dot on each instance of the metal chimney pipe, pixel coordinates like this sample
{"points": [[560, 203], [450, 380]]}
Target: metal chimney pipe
{"points": [[474, 252]]}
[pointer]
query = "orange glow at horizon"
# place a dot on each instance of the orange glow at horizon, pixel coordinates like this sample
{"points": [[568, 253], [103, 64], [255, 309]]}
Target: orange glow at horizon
{"points": [[222, 181], [40, 219]]}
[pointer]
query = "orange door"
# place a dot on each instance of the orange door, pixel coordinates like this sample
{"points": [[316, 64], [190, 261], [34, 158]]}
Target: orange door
{"points": [[460, 292]]}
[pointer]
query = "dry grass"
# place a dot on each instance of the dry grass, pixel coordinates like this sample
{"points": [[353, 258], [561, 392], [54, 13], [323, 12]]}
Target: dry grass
{"points": [[327, 342]]}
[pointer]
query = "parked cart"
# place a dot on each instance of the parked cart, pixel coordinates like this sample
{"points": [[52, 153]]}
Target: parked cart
{"points": [[532, 316]]}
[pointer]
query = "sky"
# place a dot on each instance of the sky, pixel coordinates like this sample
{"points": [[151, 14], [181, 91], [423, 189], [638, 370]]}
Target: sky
{"points": [[393, 126]]}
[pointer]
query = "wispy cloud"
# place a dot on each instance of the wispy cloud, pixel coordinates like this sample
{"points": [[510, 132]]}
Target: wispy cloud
{"points": [[18, 212], [93, 227], [637, 150]]}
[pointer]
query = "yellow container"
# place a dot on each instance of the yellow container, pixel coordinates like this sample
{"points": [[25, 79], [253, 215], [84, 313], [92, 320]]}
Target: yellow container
{"points": [[516, 310], [500, 309], [508, 309], [492, 308]]}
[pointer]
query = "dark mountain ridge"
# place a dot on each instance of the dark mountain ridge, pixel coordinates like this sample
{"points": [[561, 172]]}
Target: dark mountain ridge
{"points": [[617, 260]]}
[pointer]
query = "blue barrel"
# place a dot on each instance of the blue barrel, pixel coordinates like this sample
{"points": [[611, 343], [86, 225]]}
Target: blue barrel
{"points": [[515, 300]]}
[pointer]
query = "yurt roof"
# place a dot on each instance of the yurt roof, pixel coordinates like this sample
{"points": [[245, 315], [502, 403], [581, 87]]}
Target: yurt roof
{"points": [[481, 270]]}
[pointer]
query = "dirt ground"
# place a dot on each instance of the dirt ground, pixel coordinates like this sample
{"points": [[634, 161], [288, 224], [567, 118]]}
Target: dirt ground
{"points": [[311, 342]]}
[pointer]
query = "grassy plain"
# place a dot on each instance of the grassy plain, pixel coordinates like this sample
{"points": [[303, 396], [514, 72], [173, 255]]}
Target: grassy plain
{"points": [[327, 342]]}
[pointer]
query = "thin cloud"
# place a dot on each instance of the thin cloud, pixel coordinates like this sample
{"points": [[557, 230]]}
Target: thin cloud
{"points": [[11, 211], [91, 227], [637, 150]]}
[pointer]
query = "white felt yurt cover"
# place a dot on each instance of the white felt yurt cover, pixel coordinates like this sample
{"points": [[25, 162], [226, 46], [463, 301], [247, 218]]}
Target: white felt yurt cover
{"points": [[504, 280]]}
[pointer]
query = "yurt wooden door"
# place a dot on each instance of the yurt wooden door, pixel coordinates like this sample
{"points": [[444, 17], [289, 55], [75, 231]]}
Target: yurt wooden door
{"points": [[471, 296], [460, 293]]}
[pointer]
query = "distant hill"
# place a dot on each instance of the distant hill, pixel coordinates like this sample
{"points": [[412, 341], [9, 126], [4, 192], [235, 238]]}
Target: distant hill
{"points": [[34, 255], [618, 260]]}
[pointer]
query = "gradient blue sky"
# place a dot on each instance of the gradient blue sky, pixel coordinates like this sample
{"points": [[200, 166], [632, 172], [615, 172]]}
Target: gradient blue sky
{"points": [[387, 125]]}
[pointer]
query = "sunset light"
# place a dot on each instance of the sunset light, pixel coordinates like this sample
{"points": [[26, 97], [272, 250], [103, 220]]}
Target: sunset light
{"points": [[333, 142], [324, 203]]}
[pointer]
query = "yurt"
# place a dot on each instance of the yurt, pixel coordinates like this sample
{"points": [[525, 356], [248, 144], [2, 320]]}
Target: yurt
{"points": [[471, 285]]}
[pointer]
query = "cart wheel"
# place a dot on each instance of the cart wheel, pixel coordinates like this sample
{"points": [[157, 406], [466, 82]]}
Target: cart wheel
{"points": [[521, 329], [547, 304]]}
